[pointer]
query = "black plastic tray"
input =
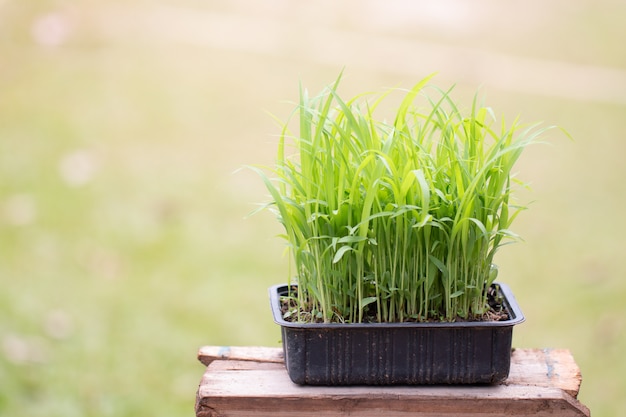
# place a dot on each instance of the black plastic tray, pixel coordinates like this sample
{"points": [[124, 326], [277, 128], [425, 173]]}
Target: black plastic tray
{"points": [[397, 353]]}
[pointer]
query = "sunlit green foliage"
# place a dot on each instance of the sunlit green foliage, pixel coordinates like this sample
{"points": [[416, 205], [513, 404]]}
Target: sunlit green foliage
{"points": [[400, 220]]}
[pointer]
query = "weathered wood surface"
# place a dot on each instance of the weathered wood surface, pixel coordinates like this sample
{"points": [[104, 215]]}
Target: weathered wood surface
{"points": [[208, 354], [241, 381]]}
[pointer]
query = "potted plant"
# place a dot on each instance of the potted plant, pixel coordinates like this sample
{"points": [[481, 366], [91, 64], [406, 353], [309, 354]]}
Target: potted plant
{"points": [[392, 228]]}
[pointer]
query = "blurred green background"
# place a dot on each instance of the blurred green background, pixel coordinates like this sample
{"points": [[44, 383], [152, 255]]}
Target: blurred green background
{"points": [[124, 238]]}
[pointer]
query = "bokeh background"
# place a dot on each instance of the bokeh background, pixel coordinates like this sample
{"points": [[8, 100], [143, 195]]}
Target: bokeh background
{"points": [[125, 242]]}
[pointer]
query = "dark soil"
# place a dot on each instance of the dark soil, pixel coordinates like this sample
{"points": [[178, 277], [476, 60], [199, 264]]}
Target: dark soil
{"points": [[497, 311]]}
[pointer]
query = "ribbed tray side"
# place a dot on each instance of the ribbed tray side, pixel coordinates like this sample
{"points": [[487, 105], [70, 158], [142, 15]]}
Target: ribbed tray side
{"points": [[411, 354], [397, 356]]}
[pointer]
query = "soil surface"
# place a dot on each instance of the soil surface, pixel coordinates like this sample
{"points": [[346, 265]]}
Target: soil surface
{"points": [[497, 311]]}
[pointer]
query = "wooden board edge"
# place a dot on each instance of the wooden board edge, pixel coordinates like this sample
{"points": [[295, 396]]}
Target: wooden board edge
{"points": [[208, 354]]}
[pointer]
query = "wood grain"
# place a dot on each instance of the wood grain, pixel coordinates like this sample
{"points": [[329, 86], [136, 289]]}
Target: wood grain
{"points": [[208, 354], [541, 383]]}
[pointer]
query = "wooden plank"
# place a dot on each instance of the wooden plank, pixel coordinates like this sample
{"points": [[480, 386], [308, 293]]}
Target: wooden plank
{"points": [[208, 354], [545, 367], [539, 386]]}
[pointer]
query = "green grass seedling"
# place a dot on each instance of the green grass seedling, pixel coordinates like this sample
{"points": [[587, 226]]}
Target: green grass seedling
{"points": [[395, 222]]}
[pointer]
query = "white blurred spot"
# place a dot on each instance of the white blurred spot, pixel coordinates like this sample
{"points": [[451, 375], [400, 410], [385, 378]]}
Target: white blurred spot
{"points": [[51, 29], [58, 324], [78, 168], [441, 15], [104, 263], [20, 350], [20, 210]]}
